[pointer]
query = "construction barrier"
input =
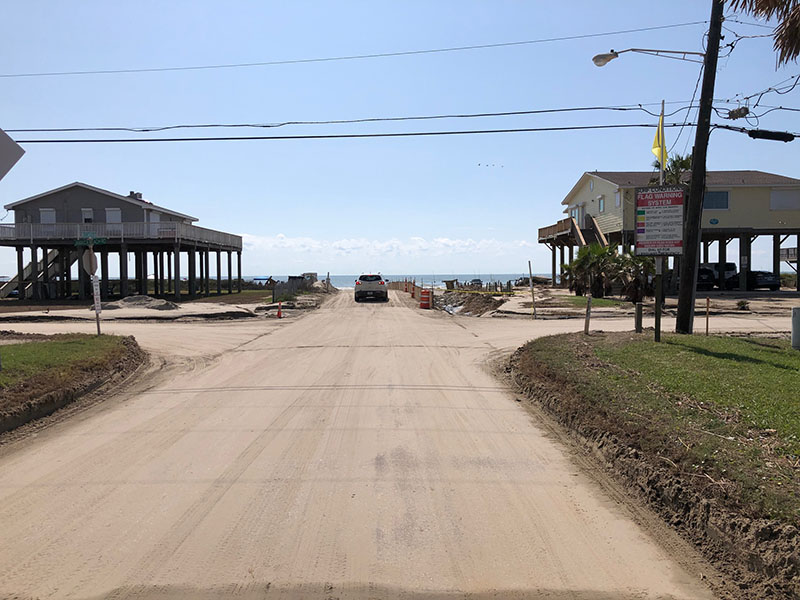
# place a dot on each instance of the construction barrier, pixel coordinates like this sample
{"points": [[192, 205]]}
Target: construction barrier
{"points": [[425, 299]]}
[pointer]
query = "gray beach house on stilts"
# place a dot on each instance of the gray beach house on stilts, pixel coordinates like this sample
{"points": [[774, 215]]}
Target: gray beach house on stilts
{"points": [[53, 228]]}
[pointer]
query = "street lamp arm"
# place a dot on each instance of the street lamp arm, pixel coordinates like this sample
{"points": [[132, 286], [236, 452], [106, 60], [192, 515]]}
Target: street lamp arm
{"points": [[603, 59]]}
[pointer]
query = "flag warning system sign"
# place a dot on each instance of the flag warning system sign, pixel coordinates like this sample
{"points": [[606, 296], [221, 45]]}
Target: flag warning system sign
{"points": [[659, 221]]}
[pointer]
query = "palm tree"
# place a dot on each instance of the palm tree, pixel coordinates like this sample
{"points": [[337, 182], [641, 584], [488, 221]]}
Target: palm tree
{"points": [[787, 33], [677, 167], [593, 269], [634, 273]]}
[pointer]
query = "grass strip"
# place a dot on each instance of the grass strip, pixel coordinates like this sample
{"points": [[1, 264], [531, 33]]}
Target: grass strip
{"points": [[56, 358], [723, 411]]}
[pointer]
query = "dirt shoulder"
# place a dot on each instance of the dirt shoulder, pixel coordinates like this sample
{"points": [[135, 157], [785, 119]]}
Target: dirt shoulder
{"points": [[43, 373], [722, 473]]}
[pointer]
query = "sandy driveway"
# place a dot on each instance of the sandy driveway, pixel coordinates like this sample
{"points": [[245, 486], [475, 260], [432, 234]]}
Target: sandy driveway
{"points": [[359, 452]]}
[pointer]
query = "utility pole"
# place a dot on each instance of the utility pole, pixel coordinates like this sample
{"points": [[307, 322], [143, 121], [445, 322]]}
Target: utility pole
{"points": [[694, 208]]}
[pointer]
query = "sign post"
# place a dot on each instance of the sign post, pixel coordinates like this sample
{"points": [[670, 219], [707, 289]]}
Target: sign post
{"points": [[659, 232], [530, 280], [90, 265], [10, 153]]}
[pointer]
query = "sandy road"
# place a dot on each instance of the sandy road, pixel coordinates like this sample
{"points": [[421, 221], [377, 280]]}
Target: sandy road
{"points": [[359, 452]]}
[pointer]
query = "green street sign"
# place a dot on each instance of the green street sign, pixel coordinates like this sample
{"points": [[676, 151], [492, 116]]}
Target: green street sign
{"points": [[90, 241]]}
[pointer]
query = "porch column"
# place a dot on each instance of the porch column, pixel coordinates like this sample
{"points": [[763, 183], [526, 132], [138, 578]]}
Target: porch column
{"points": [[219, 272], [161, 287], [776, 255], [68, 271], [157, 273], [722, 258], [21, 272], [35, 286], [104, 274], [239, 271], [177, 254], [46, 274], [82, 275], [208, 269], [570, 253], [553, 248], [137, 269], [230, 274], [192, 272], [201, 271], [60, 292], [123, 270], [169, 272], [744, 259]]}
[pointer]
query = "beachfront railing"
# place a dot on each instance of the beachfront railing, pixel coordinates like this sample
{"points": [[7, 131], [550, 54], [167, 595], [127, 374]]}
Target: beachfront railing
{"points": [[561, 228], [789, 254], [118, 232]]}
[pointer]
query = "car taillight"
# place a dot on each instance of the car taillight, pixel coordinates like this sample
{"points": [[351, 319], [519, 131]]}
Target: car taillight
{"points": [[380, 283], [358, 282]]}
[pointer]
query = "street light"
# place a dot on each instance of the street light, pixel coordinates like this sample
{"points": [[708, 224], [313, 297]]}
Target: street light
{"points": [[694, 205], [602, 60]]}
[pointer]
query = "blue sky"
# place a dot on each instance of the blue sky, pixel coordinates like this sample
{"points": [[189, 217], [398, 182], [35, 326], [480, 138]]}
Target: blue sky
{"points": [[424, 204]]}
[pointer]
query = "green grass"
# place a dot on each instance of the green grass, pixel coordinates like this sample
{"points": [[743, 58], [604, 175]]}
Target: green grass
{"points": [[724, 411], [55, 358], [757, 378], [580, 302]]}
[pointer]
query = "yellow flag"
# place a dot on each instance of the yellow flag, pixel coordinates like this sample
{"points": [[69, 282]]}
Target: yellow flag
{"points": [[659, 145]]}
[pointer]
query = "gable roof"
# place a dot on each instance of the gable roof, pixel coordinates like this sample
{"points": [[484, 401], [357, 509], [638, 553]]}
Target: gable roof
{"points": [[137, 201], [713, 178]]}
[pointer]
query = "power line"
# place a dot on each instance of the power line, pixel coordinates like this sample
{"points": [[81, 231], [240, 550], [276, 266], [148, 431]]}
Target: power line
{"points": [[350, 57], [737, 20], [340, 135], [622, 108]]}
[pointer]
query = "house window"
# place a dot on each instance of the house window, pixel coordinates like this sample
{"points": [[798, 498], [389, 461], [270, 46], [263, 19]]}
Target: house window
{"points": [[617, 199], [784, 200], [601, 203], [715, 201], [113, 215], [87, 215], [47, 215], [591, 185]]}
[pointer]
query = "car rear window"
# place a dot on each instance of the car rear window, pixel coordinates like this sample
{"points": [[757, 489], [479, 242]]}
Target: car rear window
{"points": [[370, 278]]}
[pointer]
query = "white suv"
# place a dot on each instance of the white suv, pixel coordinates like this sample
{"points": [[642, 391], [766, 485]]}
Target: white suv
{"points": [[371, 286]]}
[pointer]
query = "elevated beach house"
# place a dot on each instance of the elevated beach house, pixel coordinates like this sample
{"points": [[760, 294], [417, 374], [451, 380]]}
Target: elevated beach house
{"points": [[738, 205], [52, 231]]}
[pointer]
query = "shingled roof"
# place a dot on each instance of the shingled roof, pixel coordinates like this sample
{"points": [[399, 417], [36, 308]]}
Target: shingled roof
{"points": [[713, 178]]}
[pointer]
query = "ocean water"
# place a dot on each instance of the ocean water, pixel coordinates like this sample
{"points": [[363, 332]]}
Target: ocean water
{"points": [[435, 279]]}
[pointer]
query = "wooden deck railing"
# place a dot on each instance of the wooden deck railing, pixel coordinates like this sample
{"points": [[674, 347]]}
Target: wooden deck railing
{"points": [[552, 231], [789, 254], [118, 232]]}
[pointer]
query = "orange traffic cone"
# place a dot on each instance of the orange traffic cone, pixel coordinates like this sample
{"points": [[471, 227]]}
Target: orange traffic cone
{"points": [[280, 315]]}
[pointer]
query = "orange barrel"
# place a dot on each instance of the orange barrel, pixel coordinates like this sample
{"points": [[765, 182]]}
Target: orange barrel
{"points": [[413, 290], [425, 299]]}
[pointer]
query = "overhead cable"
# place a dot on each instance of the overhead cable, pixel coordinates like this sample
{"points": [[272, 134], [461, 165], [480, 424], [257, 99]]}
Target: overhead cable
{"points": [[346, 58], [623, 108], [340, 135]]}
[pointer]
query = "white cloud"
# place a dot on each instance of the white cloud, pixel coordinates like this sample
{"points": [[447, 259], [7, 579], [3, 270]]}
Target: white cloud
{"points": [[355, 254]]}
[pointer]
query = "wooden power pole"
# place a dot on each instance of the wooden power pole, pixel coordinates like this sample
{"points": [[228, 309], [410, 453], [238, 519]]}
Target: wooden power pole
{"points": [[694, 204]]}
